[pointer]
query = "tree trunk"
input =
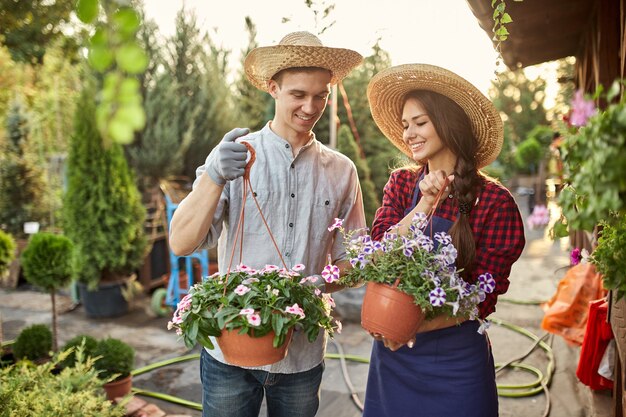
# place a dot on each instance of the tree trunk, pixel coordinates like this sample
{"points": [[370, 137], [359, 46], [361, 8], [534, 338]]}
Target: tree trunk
{"points": [[54, 321]]}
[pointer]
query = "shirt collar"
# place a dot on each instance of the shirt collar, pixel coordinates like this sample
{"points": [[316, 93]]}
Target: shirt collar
{"points": [[272, 136]]}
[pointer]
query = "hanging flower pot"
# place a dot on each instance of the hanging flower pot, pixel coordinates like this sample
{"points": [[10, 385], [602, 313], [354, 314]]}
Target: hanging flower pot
{"points": [[271, 300], [245, 350], [390, 313]]}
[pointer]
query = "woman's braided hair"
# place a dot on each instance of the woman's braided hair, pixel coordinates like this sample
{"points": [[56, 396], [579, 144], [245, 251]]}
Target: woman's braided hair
{"points": [[455, 131]]}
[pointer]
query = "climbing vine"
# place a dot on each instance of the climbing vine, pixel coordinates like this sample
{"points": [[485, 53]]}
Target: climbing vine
{"points": [[500, 33]]}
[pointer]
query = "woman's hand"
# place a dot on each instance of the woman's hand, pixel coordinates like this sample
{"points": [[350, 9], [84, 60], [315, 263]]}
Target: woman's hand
{"points": [[431, 184], [439, 322], [390, 344]]}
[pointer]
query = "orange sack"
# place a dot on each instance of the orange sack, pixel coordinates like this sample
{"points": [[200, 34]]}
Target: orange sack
{"points": [[567, 311]]}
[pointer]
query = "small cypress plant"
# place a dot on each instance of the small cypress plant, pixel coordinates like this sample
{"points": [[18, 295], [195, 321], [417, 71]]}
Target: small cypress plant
{"points": [[116, 358], [33, 342], [48, 264]]}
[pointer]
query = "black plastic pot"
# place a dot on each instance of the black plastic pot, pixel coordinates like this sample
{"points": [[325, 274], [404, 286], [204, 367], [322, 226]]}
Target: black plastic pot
{"points": [[105, 301]]}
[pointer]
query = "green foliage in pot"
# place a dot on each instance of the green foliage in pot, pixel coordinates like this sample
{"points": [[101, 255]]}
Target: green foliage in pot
{"points": [[88, 346], [610, 255], [595, 167], [48, 263], [33, 342], [35, 391], [117, 359], [102, 207], [7, 252]]}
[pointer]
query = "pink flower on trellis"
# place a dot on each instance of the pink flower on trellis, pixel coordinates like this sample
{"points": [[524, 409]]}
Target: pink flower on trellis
{"points": [[582, 109]]}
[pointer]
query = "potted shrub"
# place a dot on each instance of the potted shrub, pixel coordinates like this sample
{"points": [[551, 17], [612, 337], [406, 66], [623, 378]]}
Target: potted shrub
{"points": [[39, 391], [251, 306], [409, 278], [115, 360], [87, 344], [103, 214], [48, 263], [33, 343]]}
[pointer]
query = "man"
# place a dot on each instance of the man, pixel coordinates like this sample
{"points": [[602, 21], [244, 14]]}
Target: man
{"points": [[301, 186]]}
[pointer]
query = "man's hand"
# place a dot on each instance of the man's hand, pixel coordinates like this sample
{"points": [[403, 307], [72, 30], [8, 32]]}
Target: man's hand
{"points": [[230, 161]]}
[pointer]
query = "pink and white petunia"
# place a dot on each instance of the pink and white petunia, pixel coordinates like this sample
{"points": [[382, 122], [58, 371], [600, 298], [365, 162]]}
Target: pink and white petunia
{"points": [[254, 319], [298, 267], [246, 311], [270, 268], [339, 326], [241, 289], [295, 310], [336, 224]]}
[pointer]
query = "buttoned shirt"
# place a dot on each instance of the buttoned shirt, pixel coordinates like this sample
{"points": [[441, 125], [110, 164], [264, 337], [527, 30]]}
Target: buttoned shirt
{"points": [[300, 197], [496, 224]]}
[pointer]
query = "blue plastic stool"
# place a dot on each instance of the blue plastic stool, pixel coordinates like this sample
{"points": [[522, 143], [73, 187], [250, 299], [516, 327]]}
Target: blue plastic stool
{"points": [[163, 298]]}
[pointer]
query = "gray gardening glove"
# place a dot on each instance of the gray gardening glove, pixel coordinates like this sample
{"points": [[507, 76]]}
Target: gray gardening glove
{"points": [[230, 159]]}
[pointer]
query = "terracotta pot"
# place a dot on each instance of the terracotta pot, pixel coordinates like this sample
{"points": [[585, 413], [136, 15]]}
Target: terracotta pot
{"points": [[390, 312], [244, 350], [119, 388]]}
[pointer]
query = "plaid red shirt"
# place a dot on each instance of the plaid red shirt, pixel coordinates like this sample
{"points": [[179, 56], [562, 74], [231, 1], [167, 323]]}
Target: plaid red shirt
{"points": [[496, 223]]}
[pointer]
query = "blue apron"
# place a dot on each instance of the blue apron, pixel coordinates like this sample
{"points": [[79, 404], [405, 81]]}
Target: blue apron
{"points": [[448, 372]]}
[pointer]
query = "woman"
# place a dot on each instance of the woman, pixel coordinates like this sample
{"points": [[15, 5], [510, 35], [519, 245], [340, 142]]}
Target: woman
{"points": [[451, 130]]}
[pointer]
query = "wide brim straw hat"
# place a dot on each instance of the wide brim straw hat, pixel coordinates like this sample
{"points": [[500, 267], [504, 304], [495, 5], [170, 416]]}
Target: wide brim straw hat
{"points": [[298, 49], [387, 90]]}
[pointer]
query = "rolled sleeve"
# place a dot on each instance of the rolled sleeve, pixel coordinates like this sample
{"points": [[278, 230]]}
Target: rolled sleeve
{"points": [[501, 243]]}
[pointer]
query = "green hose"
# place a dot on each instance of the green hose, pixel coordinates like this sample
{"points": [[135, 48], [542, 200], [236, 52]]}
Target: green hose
{"points": [[521, 302], [165, 362], [535, 387], [169, 398]]}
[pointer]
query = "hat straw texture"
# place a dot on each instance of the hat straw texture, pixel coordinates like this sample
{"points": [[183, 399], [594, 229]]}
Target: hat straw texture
{"points": [[298, 49], [387, 90]]}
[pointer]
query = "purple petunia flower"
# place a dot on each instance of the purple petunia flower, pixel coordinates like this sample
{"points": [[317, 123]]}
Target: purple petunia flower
{"points": [[443, 238], [486, 282], [330, 273], [437, 297]]}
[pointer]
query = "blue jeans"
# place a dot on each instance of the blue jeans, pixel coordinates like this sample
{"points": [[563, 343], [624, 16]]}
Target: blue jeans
{"points": [[231, 391]]}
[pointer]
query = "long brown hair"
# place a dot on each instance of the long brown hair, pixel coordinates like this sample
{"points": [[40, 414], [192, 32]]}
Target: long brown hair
{"points": [[455, 131]]}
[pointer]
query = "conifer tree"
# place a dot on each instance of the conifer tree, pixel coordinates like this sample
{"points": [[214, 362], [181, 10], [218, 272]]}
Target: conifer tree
{"points": [[22, 183], [102, 207]]}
